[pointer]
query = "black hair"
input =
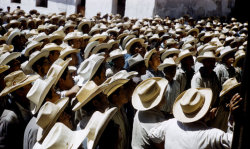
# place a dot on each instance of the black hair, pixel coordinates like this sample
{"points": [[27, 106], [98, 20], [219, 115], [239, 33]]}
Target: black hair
{"points": [[99, 70], [39, 62]]}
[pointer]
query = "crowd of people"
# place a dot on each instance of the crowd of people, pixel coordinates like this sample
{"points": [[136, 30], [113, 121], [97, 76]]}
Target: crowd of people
{"points": [[113, 82]]}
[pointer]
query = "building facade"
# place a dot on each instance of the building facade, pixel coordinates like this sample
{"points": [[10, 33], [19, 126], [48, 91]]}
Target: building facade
{"points": [[130, 8]]}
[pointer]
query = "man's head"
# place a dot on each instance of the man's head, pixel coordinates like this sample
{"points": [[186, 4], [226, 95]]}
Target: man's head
{"points": [[66, 81]]}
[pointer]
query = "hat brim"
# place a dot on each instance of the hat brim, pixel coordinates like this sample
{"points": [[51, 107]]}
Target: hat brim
{"points": [[113, 86], [27, 81], [178, 60], [142, 106], [224, 54], [37, 57], [64, 54], [3, 68], [238, 58], [42, 133], [162, 66], [225, 91], [201, 58], [10, 57], [193, 117]]}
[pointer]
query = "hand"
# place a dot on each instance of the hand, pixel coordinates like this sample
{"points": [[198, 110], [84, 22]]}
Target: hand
{"points": [[73, 91], [212, 113], [233, 105]]}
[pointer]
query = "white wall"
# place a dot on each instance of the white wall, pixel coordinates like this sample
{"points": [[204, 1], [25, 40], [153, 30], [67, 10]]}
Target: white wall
{"points": [[54, 6], [139, 8], [103, 6]]}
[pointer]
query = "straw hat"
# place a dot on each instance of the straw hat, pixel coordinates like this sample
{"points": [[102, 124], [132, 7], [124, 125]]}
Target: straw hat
{"points": [[40, 37], [3, 68], [70, 36], [114, 84], [88, 91], [171, 41], [89, 48], [166, 63], [240, 54], [149, 93], [83, 22], [6, 48], [13, 22], [115, 54], [33, 44], [38, 92], [123, 74], [206, 55], [7, 57], [193, 30], [131, 42], [52, 47], [187, 46], [88, 67], [35, 56], [228, 85], [57, 68], [192, 104], [98, 36], [135, 59], [61, 137], [16, 80], [59, 34], [100, 46], [169, 52], [183, 54], [226, 50], [68, 50], [48, 115], [148, 56], [69, 24], [14, 33], [126, 40], [97, 124], [206, 35]]}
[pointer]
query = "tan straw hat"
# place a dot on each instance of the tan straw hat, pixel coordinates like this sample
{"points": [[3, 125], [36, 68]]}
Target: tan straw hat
{"points": [[228, 85], [7, 57], [149, 93], [240, 54], [166, 63], [183, 54], [192, 104], [16, 80], [68, 50], [6, 48], [33, 44], [169, 52], [115, 54], [207, 55], [52, 47], [48, 115], [3, 68], [61, 137], [148, 56]]}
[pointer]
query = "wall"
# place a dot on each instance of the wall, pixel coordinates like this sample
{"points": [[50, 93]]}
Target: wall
{"points": [[103, 6], [54, 6], [139, 8]]}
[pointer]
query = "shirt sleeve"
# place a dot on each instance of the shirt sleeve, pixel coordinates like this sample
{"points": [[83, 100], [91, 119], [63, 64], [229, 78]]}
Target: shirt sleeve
{"points": [[157, 133]]}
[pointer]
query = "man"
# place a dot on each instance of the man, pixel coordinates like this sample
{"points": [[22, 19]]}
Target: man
{"points": [[147, 98], [206, 77], [173, 88], [185, 72], [225, 70], [188, 129]]}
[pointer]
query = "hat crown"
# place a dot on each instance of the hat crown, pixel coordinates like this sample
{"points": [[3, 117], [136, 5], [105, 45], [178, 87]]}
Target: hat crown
{"points": [[14, 78], [135, 59], [229, 83], [47, 113], [192, 101], [149, 90]]}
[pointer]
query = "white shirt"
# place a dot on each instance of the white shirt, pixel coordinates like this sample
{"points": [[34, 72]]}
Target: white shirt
{"points": [[197, 135]]}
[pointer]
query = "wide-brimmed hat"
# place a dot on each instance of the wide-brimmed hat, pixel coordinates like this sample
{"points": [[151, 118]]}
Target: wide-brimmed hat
{"points": [[97, 124], [238, 56], [187, 46], [171, 41], [61, 137], [115, 54], [131, 42], [3, 68], [7, 57], [148, 56], [41, 36], [183, 54], [99, 47], [71, 35], [14, 33], [206, 35], [83, 22], [35, 56], [226, 50], [98, 36], [169, 52], [114, 84], [192, 104], [6, 48], [88, 91], [89, 48], [166, 63], [228, 85], [52, 47], [135, 59], [33, 44], [48, 115], [13, 22], [59, 34], [16, 80], [149, 93], [69, 24], [123, 74], [68, 50], [193, 30], [88, 67], [126, 40], [38, 92], [57, 68], [206, 55]]}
